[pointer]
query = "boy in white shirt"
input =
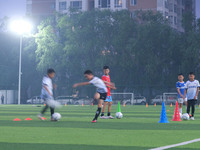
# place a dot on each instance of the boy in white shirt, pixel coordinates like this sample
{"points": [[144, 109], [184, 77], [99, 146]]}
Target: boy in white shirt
{"points": [[47, 92], [192, 91], [101, 90]]}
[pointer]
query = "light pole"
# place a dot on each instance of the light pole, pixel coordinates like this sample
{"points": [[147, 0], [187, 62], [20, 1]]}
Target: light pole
{"points": [[21, 27]]}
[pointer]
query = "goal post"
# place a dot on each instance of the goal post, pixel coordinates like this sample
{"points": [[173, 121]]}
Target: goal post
{"points": [[123, 97], [170, 98]]}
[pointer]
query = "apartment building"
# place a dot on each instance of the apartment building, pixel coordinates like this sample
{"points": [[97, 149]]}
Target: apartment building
{"points": [[40, 7], [171, 9]]}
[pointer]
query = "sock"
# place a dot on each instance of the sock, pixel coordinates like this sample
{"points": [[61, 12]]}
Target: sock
{"points": [[97, 113], [102, 114], [180, 110], [108, 113]]}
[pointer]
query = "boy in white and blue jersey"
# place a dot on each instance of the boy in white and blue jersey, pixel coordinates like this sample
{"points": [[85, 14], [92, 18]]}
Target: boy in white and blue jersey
{"points": [[101, 90], [47, 92], [192, 91], [180, 86]]}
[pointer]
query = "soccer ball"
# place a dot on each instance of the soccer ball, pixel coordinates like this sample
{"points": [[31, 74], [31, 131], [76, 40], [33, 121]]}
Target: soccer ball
{"points": [[181, 115], [118, 115], [56, 116], [185, 116]]}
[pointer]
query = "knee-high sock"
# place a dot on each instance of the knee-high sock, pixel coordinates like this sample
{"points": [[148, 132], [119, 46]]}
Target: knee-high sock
{"points": [[180, 110], [97, 113]]}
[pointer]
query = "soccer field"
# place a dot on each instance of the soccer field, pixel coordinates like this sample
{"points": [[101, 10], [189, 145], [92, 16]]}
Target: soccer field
{"points": [[137, 130]]}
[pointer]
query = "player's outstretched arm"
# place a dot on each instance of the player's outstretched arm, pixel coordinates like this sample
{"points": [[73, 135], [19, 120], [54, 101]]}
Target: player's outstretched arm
{"points": [[81, 84]]}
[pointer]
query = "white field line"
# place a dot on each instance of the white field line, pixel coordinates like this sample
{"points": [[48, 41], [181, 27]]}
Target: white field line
{"points": [[175, 145]]}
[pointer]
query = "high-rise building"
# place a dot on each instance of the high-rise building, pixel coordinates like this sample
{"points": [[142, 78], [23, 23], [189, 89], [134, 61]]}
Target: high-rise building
{"points": [[171, 9], [40, 7]]}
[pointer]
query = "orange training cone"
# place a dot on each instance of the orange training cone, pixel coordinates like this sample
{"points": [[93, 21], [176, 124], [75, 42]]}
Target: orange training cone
{"points": [[28, 119], [82, 105], [176, 116], [124, 104], [155, 104], [17, 119], [147, 105], [65, 104], [171, 105]]}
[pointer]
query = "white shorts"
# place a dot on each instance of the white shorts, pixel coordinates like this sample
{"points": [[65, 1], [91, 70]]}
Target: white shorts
{"points": [[180, 100]]}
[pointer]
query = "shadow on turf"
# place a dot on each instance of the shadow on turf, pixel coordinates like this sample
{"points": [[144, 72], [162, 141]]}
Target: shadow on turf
{"points": [[41, 146], [101, 124]]}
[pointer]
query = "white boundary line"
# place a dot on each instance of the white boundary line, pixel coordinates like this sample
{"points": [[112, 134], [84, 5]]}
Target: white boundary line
{"points": [[175, 145]]}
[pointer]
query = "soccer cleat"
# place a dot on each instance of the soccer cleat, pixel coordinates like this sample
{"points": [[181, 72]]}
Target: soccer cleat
{"points": [[94, 121], [111, 117], [40, 117], [103, 117], [192, 118]]}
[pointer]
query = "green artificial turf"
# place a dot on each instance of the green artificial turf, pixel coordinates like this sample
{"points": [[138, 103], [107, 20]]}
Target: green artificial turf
{"points": [[137, 130]]}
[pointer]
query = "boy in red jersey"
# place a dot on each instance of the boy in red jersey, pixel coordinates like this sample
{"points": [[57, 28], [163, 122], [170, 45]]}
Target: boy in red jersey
{"points": [[106, 80]]}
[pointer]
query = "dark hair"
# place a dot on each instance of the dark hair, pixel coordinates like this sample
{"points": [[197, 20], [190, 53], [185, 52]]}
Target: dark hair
{"points": [[105, 67], [50, 70], [88, 72], [191, 73], [180, 74]]}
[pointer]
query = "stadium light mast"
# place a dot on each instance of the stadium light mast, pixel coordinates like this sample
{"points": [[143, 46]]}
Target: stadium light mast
{"points": [[21, 27]]}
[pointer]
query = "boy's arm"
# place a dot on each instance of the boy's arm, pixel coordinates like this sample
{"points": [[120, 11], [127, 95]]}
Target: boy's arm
{"points": [[110, 84], [178, 90], [196, 93], [47, 90], [185, 93], [81, 84]]}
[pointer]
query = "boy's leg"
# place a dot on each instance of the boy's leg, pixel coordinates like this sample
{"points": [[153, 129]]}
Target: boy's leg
{"points": [[180, 103], [180, 107], [104, 108], [44, 109], [52, 111], [98, 97], [188, 106], [186, 103], [193, 106], [109, 108], [98, 109]]}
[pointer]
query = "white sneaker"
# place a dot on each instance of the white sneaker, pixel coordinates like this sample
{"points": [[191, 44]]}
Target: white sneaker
{"points": [[103, 117], [111, 117], [192, 118], [40, 117]]}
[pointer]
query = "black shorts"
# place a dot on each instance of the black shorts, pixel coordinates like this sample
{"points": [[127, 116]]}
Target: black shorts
{"points": [[103, 96]]}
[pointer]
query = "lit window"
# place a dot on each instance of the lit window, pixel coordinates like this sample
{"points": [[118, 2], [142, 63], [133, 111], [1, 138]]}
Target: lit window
{"points": [[118, 3]]}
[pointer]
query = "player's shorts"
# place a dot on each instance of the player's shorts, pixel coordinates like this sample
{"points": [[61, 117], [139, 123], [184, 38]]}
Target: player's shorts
{"points": [[181, 100], [103, 96], [108, 99]]}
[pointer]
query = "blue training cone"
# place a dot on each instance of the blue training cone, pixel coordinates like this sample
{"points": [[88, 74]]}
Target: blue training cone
{"points": [[163, 115]]}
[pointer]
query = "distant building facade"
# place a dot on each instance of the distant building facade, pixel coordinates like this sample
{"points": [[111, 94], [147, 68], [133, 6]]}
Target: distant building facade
{"points": [[40, 7], [171, 9]]}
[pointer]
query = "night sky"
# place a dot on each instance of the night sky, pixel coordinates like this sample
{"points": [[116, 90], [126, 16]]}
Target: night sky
{"points": [[17, 8]]}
